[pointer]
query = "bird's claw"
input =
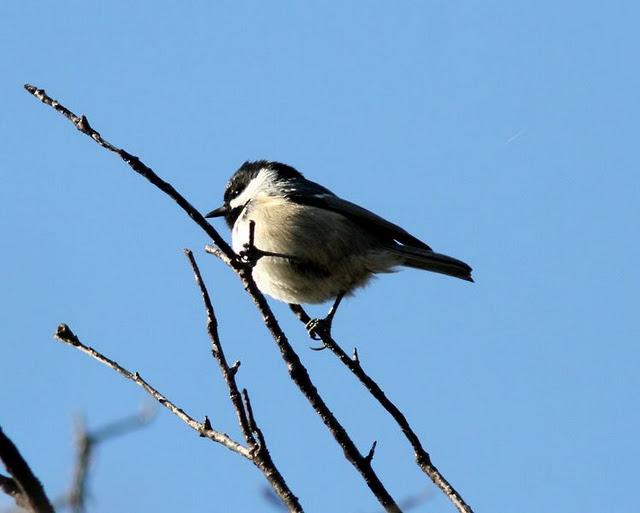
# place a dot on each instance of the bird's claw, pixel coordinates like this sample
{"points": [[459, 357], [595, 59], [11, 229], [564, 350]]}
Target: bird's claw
{"points": [[317, 329], [250, 254]]}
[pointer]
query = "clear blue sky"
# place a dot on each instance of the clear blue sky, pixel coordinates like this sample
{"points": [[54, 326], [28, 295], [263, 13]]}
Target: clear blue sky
{"points": [[502, 133]]}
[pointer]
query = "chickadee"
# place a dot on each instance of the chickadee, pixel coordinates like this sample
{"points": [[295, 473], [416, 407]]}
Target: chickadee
{"points": [[327, 247]]}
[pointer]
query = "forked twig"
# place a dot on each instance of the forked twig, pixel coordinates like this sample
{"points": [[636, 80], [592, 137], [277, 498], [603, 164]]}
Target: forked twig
{"points": [[87, 442], [258, 450], [65, 335], [23, 486], [423, 459], [295, 368], [300, 376]]}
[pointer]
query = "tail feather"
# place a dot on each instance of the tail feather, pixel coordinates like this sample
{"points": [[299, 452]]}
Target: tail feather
{"points": [[419, 258]]}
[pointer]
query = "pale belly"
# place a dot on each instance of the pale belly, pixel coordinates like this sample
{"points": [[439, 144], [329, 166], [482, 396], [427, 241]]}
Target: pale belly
{"points": [[328, 256]]}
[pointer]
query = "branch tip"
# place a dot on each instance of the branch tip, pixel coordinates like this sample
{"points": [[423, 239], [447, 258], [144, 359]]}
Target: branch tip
{"points": [[83, 124], [64, 334], [234, 368], [34, 90], [296, 370], [9, 486], [247, 404], [206, 426], [369, 457]]}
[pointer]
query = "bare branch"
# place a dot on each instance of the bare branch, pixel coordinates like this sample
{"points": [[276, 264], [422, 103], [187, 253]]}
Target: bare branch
{"points": [[82, 124], [77, 496], [301, 378], [260, 455], [8, 485], [297, 371], [124, 425], [64, 334], [11, 488], [234, 368], [372, 451], [422, 456], [218, 353], [252, 422], [87, 442], [25, 488]]}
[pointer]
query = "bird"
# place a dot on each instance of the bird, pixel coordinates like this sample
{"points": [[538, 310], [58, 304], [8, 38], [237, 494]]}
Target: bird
{"points": [[313, 245]]}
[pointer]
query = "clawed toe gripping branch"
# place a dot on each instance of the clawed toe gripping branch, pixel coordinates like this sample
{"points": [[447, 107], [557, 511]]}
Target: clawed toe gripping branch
{"points": [[254, 447], [320, 329], [250, 254]]}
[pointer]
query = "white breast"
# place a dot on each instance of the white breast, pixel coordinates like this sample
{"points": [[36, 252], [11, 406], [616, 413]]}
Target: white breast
{"points": [[330, 254]]}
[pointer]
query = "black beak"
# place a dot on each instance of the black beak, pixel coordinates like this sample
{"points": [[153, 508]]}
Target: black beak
{"points": [[218, 212]]}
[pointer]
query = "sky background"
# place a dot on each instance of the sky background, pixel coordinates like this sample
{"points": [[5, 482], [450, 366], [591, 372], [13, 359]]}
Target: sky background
{"points": [[501, 133]]}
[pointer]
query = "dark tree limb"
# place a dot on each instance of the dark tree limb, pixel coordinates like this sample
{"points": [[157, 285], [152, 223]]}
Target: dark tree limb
{"points": [[23, 486], [258, 450], [9, 486], [301, 378], [218, 354], [82, 124], [422, 456], [297, 371]]}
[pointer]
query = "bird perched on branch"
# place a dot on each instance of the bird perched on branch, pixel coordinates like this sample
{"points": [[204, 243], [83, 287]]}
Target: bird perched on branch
{"points": [[313, 245]]}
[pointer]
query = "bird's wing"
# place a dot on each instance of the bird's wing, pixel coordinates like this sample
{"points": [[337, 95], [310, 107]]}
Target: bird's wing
{"points": [[316, 195]]}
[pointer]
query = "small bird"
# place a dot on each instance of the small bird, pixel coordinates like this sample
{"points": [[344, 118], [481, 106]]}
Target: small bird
{"points": [[319, 245]]}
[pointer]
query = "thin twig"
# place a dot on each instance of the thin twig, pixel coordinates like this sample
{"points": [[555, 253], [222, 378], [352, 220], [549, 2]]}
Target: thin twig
{"points": [[218, 353], [82, 124], [86, 443], [297, 371], [77, 496], [9, 486], [372, 451], [124, 425], [252, 420], [301, 378], [64, 334], [24, 486], [260, 455], [422, 456]]}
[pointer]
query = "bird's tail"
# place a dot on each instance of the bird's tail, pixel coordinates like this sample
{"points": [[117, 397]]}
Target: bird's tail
{"points": [[419, 258]]}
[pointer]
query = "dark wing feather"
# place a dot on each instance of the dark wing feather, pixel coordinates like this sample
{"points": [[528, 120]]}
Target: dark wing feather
{"points": [[313, 194]]}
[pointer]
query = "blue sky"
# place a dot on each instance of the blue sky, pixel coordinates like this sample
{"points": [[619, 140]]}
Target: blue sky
{"points": [[502, 133]]}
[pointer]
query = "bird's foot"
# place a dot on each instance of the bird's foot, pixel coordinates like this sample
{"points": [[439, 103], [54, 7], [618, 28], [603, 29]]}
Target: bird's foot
{"points": [[250, 255], [319, 328]]}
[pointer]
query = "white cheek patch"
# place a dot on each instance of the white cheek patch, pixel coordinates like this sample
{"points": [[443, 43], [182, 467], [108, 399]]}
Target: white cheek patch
{"points": [[239, 235], [263, 184]]}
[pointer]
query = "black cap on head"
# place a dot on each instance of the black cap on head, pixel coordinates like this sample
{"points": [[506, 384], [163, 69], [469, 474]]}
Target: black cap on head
{"points": [[249, 170], [241, 178]]}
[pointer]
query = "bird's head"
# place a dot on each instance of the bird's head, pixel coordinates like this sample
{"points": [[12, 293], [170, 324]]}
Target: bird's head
{"points": [[251, 180]]}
